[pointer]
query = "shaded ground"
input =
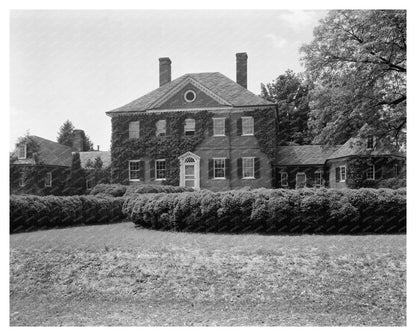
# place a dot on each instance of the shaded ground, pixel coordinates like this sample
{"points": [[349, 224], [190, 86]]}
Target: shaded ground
{"points": [[119, 275]]}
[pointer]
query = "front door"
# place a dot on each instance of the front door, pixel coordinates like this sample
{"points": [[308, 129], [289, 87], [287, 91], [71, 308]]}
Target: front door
{"points": [[189, 170], [189, 177]]}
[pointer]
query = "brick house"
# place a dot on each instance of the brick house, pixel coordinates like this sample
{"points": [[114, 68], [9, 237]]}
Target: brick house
{"points": [[200, 130], [42, 167], [205, 131]]}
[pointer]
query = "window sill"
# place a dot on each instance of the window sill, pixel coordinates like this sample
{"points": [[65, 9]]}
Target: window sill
{"points": [[218, 135], [247, 134], [219, 178], [341, 180], [135, 180], [160, 179], [248, 178]]}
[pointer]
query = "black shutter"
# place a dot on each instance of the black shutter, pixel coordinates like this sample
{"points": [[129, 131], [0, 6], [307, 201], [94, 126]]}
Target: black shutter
{"points": [[152, 169], [141, 172], [167, 127], [227, 169], [239, 126], [337, 174], [211, 127], [210, 168], [256, 167], [227, 126], [240, 168]]}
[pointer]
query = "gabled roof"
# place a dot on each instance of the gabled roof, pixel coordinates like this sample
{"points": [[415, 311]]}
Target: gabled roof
{"points": [[356, 146], [105, 157], [53, 153], [303, 155], [216, 83]]}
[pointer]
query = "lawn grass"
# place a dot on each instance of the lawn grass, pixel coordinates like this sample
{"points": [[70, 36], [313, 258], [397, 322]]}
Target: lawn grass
{"points": [[119, 275]]}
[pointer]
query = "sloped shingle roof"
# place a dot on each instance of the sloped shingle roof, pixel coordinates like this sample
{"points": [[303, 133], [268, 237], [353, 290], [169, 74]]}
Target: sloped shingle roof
{"points": [[105, 157], [303, 155], [53, 153], [216, 82]]}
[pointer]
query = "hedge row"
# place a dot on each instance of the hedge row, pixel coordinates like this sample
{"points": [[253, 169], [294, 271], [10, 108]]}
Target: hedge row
{"points": [[320, 211], [118, 190], [37, 212]]}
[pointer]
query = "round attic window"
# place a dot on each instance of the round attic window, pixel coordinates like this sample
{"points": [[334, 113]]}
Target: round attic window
{"points": [[190, 96]]}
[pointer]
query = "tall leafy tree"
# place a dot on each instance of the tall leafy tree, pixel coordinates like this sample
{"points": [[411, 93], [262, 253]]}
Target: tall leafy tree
{"points": [[65, 136], [357, 64], [290, 92]]}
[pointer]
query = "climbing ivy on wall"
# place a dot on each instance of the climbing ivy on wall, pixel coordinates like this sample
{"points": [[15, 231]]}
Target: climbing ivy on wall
{"points": [[148, 145], [265, 130]]}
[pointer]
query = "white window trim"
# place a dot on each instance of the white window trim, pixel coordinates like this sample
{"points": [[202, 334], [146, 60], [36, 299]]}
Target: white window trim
{"points": [[320, 178], [157, 130], [159, 179], [374, 173], [189, 100], [48, 179], [281, 179], [130, 179], [242, 127], [254, 168], [340, 173], [138, 131], [213, 127], [213, 167], [301, 173], [24, 157], [191, 130]]}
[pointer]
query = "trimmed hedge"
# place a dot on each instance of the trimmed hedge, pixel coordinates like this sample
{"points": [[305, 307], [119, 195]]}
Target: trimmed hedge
{"points": [[39, 212], [118, 190], [312, 211]]}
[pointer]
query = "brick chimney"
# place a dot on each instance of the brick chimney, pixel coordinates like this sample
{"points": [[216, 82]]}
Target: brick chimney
{"points": [[78, 140], [164, 70], [242, 69]]}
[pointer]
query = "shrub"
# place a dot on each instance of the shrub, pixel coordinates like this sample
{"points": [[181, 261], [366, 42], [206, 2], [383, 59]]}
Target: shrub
{"points": [[320, 211], [393, 183], [37, 212], [119, 190]]}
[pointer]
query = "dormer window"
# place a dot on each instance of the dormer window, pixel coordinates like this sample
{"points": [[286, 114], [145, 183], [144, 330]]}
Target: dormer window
{"points": [[370, 142], [161, 128], [189, 127], [21, 151]]}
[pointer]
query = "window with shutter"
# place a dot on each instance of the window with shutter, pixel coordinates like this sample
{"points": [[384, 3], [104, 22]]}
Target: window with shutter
{"points": [[160, 169], [21, 151], [218, 126], [248, 167], [135, 170], [189, 128], [161, 128], [219, 168], [283, 179], [247, 125], [371, 172], [48, 179]]}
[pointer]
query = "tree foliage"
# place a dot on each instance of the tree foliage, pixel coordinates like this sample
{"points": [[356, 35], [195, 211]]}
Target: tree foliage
{"points": [[76, 180], [65, 136], [290, 93], [357, 64]]}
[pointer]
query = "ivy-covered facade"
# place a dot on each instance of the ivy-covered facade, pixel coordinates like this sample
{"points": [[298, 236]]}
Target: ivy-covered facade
{"points": [[207, 131]]}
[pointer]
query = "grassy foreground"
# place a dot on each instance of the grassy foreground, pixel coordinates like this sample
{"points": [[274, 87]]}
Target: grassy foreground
{"points": [[119, 275]]}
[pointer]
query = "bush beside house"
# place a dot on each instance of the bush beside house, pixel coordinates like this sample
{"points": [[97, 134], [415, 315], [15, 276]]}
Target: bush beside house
{"points": [[312, 211]]}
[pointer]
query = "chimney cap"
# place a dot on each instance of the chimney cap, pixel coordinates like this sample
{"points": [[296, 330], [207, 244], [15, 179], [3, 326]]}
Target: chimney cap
{"points": [[165, 60], [241, 55]]}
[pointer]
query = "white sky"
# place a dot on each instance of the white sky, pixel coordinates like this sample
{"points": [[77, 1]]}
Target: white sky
{"points": [[78, 64]]}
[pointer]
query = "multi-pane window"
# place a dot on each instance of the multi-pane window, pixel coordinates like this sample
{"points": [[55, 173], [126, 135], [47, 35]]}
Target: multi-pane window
{"points": [[219, 126], [283, 179], [161, 128], [89, 183], [219, 168], [160, 169], [371, 172], [248, 167], [48, 179], [343, 173], [189, 126], [247, 125], [21, 151], [370, 142], [134, 170], [134, 129], [318, 178]]}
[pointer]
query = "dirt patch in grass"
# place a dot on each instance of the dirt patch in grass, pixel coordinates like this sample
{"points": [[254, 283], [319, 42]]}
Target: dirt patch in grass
{"points": [[118, 275]]}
